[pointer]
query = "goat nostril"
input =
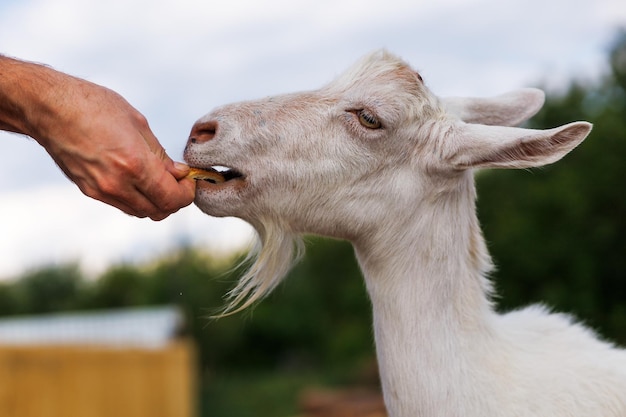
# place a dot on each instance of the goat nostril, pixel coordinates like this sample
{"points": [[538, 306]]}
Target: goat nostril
{"points": [[203, 132]]}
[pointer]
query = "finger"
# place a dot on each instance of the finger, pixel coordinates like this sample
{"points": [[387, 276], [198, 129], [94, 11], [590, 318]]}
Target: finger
{"points": [[166, 192], [161, 181], [119, 194], [137, 205], [140, 202]]}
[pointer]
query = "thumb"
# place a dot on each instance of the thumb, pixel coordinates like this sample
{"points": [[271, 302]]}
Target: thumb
{"points": [[178, 169]]}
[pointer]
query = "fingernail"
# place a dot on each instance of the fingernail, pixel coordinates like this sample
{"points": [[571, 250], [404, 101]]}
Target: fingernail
{"points": [[181, 166]]}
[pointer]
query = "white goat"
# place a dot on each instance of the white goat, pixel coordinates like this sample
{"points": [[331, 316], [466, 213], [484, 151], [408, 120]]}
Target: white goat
{"points": [[377, 159]]}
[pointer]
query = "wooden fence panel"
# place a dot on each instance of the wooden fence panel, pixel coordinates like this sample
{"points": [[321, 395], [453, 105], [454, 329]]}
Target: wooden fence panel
{"points": [[64, 381]]}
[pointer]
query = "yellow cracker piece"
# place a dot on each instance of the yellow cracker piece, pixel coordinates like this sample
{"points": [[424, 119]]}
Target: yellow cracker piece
{"points": [[201, 174]]}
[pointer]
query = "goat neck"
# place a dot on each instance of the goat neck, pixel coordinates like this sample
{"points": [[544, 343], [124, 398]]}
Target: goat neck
{"points": [[431, 308]]}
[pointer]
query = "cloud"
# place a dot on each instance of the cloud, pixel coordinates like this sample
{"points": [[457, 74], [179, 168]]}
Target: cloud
{"points": [[55, 224]]}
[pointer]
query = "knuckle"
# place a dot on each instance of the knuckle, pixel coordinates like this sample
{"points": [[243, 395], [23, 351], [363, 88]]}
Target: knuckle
{"points": [[107, 187], [168, 207], [131, 164], [142, 211], [159, 216], [89, 191], [140, 120]]}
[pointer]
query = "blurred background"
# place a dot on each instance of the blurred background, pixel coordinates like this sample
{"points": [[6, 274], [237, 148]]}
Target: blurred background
{"points": [[557, 234]]}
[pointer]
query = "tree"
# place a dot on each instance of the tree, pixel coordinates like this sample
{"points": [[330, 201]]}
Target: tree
{"points": [[49, 289], [559, 233]]}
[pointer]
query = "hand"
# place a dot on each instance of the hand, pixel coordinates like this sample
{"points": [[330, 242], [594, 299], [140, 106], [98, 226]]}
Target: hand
{"points": [[104, 145], [107, 148]]}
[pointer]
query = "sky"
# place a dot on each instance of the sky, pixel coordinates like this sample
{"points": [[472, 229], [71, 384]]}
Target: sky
{"points": [[176, 60]]}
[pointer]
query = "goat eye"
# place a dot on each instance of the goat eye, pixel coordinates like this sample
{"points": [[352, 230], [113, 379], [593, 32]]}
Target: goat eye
{"points": [[368, 120]]}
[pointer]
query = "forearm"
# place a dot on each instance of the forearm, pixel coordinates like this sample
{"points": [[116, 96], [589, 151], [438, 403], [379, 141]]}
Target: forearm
{"points": [[29, 95], [11, 112]]}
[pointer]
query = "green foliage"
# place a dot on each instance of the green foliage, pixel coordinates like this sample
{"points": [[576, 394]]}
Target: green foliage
{"points": [[321, 313], [264, 394], [319, 317], [120, 286], [558, 234], [46, 290]]}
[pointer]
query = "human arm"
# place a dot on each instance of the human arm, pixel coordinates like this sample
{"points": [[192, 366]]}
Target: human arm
{"points": [[96, 137]]}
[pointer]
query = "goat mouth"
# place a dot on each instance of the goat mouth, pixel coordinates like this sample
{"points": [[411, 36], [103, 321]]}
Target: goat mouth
{"points": [[216, 174]]}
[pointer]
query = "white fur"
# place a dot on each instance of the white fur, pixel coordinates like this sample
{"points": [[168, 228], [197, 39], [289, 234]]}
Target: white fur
{"points": [[404, 196]]}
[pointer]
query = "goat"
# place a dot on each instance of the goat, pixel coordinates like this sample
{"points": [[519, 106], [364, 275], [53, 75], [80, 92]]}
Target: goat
{"points": [[375, 158]]}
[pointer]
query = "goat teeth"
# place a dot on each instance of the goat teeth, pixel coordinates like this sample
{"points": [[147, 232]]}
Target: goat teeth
{"points": [[211, 176]]}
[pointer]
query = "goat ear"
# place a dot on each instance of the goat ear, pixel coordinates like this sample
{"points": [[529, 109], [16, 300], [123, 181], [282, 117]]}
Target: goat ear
{"points": [[483, 146], [510, 109]]}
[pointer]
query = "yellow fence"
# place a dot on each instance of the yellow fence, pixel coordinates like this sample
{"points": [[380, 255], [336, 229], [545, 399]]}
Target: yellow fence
{"points": [[73, 381]]}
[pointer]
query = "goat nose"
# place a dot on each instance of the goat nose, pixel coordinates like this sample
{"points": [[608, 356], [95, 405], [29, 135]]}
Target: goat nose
{"points": [[203, 132]]}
